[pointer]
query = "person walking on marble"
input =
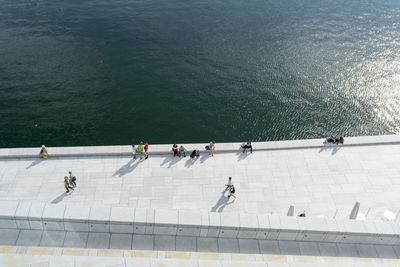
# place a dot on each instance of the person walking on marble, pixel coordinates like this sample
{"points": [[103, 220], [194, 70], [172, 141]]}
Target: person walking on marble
{"points": [[140, 150], [67, 185], [72, 179], [44, 154], [146, 150], [134, 151], [231, 192], [228, 185]]}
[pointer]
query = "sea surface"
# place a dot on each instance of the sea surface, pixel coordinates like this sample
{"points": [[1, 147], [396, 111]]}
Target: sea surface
{"points": [[176, 71]]}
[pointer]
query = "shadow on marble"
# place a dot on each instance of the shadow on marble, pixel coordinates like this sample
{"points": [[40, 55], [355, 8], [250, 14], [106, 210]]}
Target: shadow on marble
{"points": [[334, 148], [221, 203], [128, 167], [190, 162], [61, 197], [241, 155], [35, 162], [170, 160]]}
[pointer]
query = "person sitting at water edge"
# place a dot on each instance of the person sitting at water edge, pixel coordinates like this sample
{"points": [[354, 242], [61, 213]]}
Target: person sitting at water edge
{"points": [[182, 150], [329, 139], [193, 154], [175, 150], [44, 154], [247, 146], [340, 140]]}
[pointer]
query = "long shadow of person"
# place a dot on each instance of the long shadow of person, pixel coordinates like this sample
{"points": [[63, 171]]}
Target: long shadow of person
{"points": [[221, 201], [203, 158], [128, 167], [60, 198], [189, 163], [170, 161], [34, 163], [225, 204], [332, 147], [242, 156]]}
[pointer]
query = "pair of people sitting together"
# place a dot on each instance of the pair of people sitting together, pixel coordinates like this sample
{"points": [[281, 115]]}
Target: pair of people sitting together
{"points": [[335, 140]]}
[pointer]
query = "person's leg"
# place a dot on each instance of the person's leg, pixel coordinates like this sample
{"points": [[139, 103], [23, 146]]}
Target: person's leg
{"points": [[251, 149], [179, 153]]}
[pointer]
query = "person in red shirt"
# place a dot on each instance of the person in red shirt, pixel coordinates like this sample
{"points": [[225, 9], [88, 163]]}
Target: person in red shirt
{"points": [[175, 149], [146, 148]]}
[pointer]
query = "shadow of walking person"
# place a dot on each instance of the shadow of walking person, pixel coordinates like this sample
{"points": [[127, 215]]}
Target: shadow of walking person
{"points": [[221, 202], [59, 198], [221, 208]]}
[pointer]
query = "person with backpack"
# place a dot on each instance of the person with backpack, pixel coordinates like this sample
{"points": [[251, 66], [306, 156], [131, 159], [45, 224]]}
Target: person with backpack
{"points": [[231, 192]]}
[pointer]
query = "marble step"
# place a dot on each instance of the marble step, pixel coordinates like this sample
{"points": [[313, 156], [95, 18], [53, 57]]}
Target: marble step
{"points": [[18, 260], [20, 256]]}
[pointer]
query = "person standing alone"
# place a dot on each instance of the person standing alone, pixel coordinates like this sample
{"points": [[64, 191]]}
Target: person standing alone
{"points": [[146, 150], [212, 148]]}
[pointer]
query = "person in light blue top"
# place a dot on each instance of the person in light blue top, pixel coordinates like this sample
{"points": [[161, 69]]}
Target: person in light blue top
{"points": [[134, 151]]}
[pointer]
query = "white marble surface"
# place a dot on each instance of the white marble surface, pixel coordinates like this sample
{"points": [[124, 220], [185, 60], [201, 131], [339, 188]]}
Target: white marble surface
{"points": [[318, 180]]}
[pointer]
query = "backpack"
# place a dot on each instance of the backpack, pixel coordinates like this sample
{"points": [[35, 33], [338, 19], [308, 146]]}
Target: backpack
{"points": [[233, 189], [207, 147]]}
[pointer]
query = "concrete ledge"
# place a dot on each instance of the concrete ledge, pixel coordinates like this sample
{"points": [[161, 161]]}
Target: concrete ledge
{"points": [[103, 219], [91, 151]]}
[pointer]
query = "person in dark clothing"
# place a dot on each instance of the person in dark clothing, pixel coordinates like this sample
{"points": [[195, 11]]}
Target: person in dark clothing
{"points": [[193, 154], [247, 146], [67, 185], [175, 150]]}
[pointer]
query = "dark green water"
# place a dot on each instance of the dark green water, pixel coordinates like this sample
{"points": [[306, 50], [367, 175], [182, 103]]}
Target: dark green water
{"points": [[120, 71]]}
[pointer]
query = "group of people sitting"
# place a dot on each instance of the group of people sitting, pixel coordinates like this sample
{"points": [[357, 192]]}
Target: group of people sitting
{"points": [[182, 151], [247, 146], [335, 140]]}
